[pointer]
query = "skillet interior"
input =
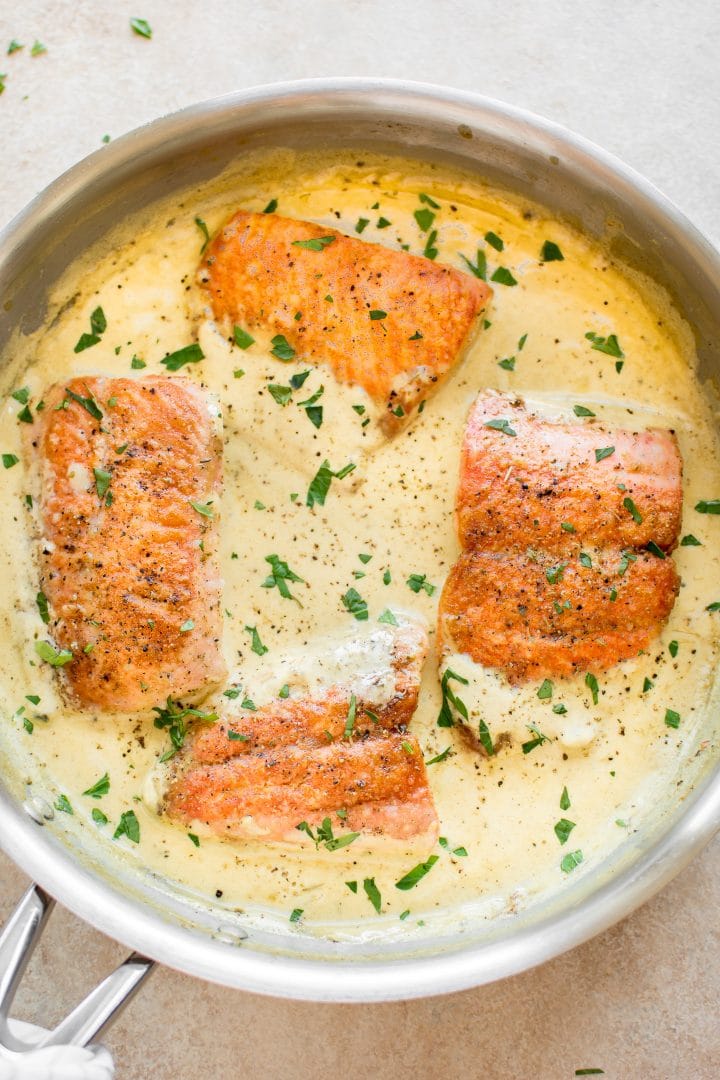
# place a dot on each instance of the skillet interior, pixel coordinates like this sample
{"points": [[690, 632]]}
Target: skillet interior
{"points": [[525, 156]]}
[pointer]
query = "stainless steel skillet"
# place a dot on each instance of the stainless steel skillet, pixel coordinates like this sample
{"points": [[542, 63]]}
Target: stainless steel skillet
{"points": [[527, 155]]}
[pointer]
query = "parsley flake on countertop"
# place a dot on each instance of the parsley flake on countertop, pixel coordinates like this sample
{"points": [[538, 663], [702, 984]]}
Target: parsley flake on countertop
{"points": [[141, 27]]}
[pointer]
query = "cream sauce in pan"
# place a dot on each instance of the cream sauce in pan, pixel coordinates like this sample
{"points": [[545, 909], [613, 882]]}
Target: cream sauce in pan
{"points": [[617, 759]]}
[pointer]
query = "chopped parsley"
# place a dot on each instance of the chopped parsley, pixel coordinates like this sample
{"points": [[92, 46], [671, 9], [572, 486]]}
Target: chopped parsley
{"points": [[38, 49], [430, 251], [690, 541], [204, 509], [609, 345], [355, 605], [88, 403], [320, 483], [296, 914], [9, 460], [242, 339], [281, 348], [373, 893], [545, 691], [361, 224], [570, 861], [376, 315], [418, 582], [256, 644], [508, 364], [581, 410], [550, 252], [141, 27], [63, 803], [98, 326], [315, 244], [647, 685], [42, 605], [350, 718], [592, 685], [708, 506], [190, 354], [279, 577], [128, 826], [102, 485], [98, 817], [672, 718], [604, 452], [410, 880], [494, 241], [564, 800], [382, 223], [137, 364], [563, 828], [388, 617], [537, 740], [503, 276], [443, 756], [271, 207], [479, 267], [424, 218], [325, 836], [52, 656], [204, 230], [174, 716], [193, 839], [99, 788], [673, 647], [500, 425], [281, 394], [633, 510]]}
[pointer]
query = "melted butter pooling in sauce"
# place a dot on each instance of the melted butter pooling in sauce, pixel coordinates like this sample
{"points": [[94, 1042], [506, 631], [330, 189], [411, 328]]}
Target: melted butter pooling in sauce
{"points": [[616, 758]]}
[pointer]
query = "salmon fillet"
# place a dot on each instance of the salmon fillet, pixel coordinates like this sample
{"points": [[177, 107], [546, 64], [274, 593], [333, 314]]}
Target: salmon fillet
{"points": [[262, 772], [129, 566], [516, 491], [566, 559], [396, 323], [378, 783]]}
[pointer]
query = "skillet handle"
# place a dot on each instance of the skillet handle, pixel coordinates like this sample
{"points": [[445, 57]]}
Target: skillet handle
{"points": [[93, 1015]]}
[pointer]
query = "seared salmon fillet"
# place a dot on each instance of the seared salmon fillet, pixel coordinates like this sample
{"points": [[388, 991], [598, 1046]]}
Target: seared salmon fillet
{"points": [[566, 561], [321, 714], [504, 612], [130, 473], [345, 747], [516, 491], [378, 783], [396, 325]]}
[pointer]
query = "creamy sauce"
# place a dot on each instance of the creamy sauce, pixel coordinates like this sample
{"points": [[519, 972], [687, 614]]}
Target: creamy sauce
{"points": [[618, 759]]}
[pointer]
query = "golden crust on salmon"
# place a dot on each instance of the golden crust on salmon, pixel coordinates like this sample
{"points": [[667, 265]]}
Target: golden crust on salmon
{"points": [[566, 565], [128, 563], [262, 772], [397, 322], [537, 617], [518, 490]]}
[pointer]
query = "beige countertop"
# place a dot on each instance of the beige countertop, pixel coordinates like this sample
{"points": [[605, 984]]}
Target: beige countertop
{"points": [[641, 1000]]}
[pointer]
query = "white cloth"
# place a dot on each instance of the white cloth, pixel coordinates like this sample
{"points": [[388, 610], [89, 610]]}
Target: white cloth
{"points": [[53, 1062]]}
